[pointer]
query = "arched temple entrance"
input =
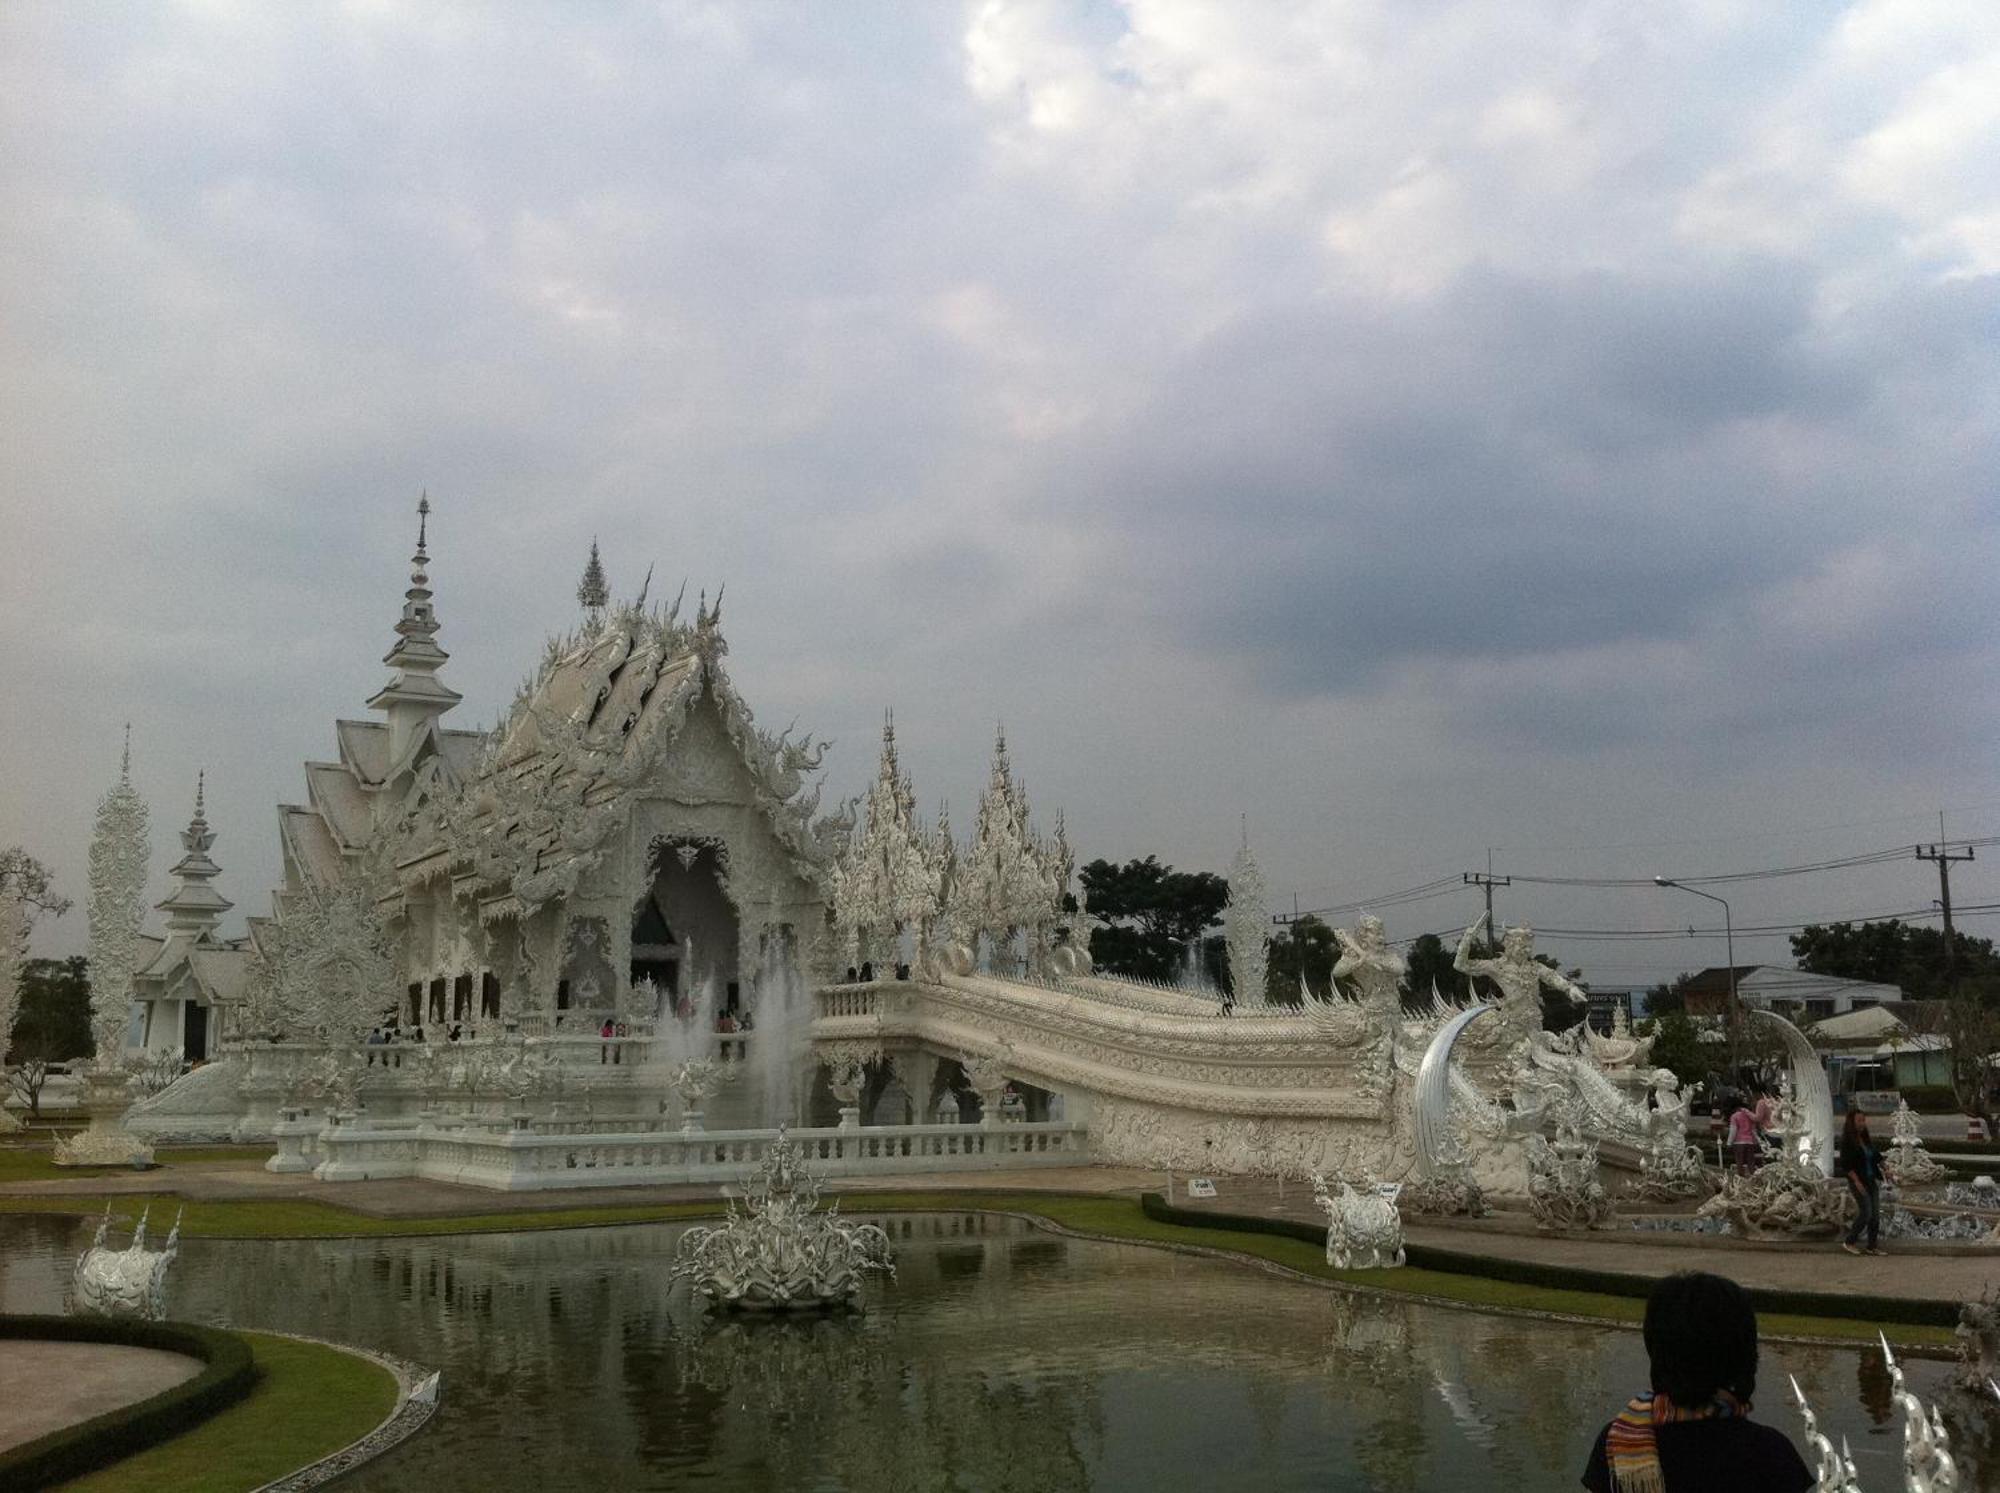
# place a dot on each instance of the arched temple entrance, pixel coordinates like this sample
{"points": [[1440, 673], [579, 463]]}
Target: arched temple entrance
{"points": [[685, 928]]}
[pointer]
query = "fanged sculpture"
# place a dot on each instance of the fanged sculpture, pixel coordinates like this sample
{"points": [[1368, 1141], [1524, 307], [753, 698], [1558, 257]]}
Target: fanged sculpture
{"points": [[778, 1253], [129, 1282], [1363, 1229], [1928, 1466]]}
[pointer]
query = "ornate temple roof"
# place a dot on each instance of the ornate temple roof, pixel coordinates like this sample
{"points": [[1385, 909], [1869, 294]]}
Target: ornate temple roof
{"points": [[586, 734]]}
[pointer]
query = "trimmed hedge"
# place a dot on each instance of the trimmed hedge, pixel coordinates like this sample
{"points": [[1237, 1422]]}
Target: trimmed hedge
{"points": [[1931, 1099], [229, 1373], [1570, 1278]]}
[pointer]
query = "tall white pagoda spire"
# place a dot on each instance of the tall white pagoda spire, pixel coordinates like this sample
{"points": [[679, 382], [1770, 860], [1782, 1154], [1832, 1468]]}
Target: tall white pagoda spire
{"points": [[195, 908], [1246, 925], [118, 852], [415, 697]]}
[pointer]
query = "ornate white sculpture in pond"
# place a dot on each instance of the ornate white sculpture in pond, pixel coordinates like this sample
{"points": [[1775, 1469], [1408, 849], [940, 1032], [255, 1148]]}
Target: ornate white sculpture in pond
{"points": [[778, 1252], [128, 1282], [1833, 1470], [1363, 1229], [1928, 1466], [1978, 1334], [1563, 1188], [1908, 1163], [1927, 1461]]}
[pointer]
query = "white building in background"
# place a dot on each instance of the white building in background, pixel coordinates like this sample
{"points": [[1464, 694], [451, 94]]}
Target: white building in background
{"points": [[189, 972], [1771, 987]]}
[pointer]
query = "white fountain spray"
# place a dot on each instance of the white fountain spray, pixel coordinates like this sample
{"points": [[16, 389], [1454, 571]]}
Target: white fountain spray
{"points": [[782, 1019]]}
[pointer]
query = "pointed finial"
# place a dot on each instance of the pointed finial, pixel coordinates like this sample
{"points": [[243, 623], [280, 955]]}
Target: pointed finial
{"points": [[200, 783], [592, 591], [715, 615], [423, 519], [125, 764], [645, 586]]}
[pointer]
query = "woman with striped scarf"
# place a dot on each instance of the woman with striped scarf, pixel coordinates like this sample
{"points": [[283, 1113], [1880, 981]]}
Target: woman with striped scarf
{"points": [[1691, 1432]]}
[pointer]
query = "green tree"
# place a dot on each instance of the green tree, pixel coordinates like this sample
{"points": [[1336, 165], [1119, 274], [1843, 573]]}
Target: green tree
{"points": [[1669, 997], [1430, 966], [1303, 953], [55, 1011], [1150, 914], [1892, 952], [1677, 1045]]}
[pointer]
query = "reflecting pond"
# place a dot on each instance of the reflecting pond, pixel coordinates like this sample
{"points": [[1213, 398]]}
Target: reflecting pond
{"points": [[1000, 1357]]}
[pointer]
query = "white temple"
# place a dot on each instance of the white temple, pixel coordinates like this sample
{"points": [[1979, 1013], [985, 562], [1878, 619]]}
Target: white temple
{"points": [[577, 948]]}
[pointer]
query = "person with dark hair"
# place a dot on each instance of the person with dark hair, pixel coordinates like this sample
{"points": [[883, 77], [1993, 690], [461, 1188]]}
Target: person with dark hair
{"points": [[1862, 1168], [1692, 1433]]}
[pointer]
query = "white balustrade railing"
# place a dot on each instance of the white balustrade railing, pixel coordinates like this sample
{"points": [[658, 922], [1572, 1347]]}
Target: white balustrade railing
{"points": [[534, 1158], [845, 1000]]}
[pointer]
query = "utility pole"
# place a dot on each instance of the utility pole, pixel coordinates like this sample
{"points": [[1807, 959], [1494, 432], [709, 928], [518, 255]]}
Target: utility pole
{"points": [[1944, 855], [1486, 881]]}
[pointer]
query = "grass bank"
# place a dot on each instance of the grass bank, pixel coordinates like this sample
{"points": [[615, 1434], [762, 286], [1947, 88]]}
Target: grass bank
{"points": [[1115, 1218], [309, 1402]]}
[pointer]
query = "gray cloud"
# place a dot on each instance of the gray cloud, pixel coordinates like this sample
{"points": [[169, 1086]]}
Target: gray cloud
{"points": [[1418, 430]]}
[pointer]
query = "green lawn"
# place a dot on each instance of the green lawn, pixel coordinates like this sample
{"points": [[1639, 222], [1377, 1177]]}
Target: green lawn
{"points": [[311, 1401], [1113, 1218]]}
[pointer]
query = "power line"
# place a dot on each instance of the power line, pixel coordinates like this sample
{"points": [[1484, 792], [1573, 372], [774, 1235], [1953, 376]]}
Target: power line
{"points": [[1644, 935]]}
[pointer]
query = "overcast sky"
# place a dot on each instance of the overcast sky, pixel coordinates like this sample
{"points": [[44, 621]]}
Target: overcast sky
{"points": [[1416, 427]]}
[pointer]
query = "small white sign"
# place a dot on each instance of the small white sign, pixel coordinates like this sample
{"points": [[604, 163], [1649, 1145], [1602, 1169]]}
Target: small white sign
{"points": [[1200, 1187], [1388, 1191]]}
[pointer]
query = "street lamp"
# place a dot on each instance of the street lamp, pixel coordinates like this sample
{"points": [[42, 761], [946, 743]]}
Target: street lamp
{"points": [[1729, 947]]}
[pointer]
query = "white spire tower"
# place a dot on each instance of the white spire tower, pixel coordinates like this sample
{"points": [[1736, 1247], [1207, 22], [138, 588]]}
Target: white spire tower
{"points": [[1246, 926], [119, 849], [195, 908], [416, 697]]}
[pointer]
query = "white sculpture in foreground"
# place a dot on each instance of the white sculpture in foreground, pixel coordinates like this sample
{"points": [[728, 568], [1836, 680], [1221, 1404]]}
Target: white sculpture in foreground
{"points": [[1563, 1189], [128, 1282], [1928, 1466], [1909, 1164], [1363, 1229], [779, 1253]]}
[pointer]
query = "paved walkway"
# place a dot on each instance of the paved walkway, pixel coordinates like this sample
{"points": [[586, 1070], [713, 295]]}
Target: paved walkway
{"points": [[46, 1386], [1918, 1270]]}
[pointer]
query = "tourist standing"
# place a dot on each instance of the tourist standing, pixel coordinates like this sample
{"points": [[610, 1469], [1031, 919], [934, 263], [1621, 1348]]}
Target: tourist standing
{"points": [[1743, 1137], [1691, 1433], [1861, 1165], [1767, 1118]]}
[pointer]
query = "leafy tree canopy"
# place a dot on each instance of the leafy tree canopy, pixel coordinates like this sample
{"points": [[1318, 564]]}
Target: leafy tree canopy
{"points": [[1149, 913], [1893, 952], [1302, 954], [54, 1021], [1677, 1045]]}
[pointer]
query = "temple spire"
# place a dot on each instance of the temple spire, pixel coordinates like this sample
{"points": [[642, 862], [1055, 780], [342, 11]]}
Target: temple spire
{"points": [[415, 697], [593, 592], [195, 908]]}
